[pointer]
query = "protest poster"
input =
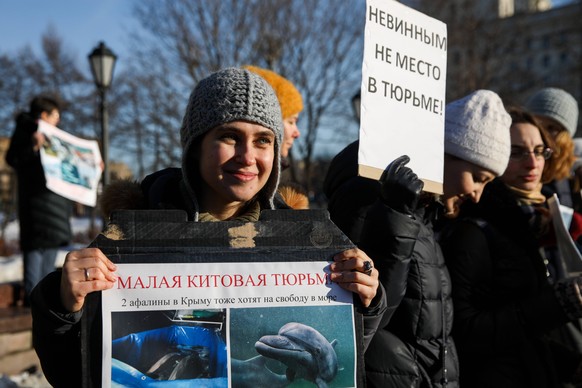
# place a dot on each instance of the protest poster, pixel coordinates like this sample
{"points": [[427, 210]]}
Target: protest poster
{"points": [[225, 304], [72, 166], [403, 92], [571, 259]]}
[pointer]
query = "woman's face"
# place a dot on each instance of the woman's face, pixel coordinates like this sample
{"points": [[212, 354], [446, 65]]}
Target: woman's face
{"points": [[463, 181], [526, 163], [290, 134], [236, 160]]}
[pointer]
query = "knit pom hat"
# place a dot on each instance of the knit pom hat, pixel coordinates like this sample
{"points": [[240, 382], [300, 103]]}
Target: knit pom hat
{"points": [[229, 95], [477, 130], [556, 104], [288, 95]]}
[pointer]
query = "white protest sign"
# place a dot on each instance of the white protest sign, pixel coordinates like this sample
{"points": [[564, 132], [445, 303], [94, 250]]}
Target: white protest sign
{"points": [[403, 92], [158, 310], [72, 166]]}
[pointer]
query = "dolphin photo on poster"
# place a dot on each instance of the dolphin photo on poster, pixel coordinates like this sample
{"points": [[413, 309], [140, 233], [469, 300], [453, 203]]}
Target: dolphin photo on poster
{"points": [[292, 346]]}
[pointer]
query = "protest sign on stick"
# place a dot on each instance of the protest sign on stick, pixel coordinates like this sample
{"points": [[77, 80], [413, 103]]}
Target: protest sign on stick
{"points": [[72, 166], [403, 92]]}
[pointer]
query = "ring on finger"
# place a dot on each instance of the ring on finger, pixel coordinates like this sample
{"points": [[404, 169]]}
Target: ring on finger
{"points": [[87, 274], [368, 268]]}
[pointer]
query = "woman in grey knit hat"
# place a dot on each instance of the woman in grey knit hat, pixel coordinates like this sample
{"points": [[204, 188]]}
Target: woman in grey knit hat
{"points": [[230, 135]]}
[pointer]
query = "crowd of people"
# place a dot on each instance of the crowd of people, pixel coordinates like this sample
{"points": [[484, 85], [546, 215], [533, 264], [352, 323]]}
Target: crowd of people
{"points": [[464, 288]]}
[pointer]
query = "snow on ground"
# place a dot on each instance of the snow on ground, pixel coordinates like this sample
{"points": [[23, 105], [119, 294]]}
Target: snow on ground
{"points": [[11, 271], [11, 265]]}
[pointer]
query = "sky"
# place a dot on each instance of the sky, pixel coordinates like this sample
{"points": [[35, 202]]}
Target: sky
{"points": [[81, 24]]}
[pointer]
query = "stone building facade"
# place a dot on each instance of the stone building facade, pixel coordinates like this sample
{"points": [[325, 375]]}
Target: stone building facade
{"points": [[513, 47]]}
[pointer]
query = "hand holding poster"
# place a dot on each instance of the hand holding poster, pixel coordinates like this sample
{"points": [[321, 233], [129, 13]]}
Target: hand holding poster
{"points": [[403, 92], [72, 166]]}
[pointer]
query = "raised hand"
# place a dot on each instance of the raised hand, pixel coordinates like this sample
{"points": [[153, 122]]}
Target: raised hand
{"points": [[400, 187]]}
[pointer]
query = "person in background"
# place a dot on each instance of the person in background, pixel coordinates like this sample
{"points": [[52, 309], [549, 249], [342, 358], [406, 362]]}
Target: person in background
{"points": [[231, 137], [413, 345], [577, 172], [291, 104], [505, 308], [557, 111], [44, 217]]}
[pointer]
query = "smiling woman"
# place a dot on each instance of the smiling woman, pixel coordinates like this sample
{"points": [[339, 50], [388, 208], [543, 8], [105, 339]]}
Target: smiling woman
{"points": [[230, 135], [236, 160]]}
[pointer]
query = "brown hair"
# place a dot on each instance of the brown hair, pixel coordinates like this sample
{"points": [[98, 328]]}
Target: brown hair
{"points": [[520, 115], [564, 149]]}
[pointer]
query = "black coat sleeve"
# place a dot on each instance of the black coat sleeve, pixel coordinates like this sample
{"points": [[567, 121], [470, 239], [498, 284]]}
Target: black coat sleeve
{"points": [[373, 315], [20, 152], [389, 238], [55, 334]]}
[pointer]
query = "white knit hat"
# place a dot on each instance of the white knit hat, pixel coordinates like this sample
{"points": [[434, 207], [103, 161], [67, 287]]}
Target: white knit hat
{"points": [[556, 104], [477, 130]]}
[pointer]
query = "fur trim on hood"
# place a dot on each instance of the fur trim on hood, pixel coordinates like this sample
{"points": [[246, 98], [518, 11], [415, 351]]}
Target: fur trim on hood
{"points": [[122, 195]]}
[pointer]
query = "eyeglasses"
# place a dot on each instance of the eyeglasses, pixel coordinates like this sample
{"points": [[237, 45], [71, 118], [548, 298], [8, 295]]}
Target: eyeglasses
{"points": [[520, 153]]}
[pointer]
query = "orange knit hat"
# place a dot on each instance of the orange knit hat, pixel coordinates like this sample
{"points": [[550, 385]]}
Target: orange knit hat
{"points": [[288, 95]]}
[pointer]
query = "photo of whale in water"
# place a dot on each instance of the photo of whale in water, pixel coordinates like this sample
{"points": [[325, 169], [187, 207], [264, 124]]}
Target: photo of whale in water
{"points": [[249, 347]]}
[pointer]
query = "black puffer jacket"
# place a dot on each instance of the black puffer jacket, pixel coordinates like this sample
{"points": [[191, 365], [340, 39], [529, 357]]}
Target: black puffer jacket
{"points": [[44, 216], [408, 349], [355, 198], [414, 347], [504, 305]]}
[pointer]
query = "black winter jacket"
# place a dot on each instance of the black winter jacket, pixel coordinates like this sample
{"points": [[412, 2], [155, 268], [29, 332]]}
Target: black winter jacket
{"points": [[504, 305], [413, 346], [408, 348], [44, 216]]}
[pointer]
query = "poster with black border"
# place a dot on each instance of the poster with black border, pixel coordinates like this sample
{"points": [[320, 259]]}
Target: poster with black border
{"points": [[225, 304]]}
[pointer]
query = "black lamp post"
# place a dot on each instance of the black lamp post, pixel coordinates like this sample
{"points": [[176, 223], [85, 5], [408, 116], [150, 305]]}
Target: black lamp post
{"points": [[102, 61]]}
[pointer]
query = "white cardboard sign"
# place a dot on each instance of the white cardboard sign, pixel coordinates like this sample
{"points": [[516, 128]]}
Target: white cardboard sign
{"points": [[403, 92]]}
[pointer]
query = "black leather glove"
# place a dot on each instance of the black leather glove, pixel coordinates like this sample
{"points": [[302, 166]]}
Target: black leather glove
{"points": [[400, 187]]}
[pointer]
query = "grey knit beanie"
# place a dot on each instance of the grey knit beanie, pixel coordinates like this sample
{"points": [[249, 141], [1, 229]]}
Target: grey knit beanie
{"points": [[228, 95], [556, 104], [477, 130]]}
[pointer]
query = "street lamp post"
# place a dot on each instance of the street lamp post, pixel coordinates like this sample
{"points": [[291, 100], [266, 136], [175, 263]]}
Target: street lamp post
{"points": [[102, 61]]}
